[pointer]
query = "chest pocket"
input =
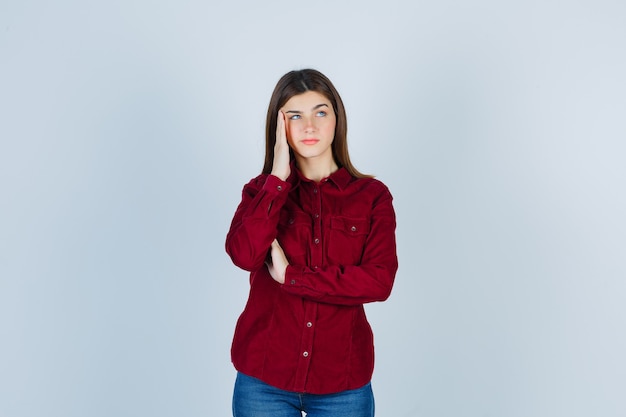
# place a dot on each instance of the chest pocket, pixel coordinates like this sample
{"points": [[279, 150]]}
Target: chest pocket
{"points": [[294, 233], [346, 240]]}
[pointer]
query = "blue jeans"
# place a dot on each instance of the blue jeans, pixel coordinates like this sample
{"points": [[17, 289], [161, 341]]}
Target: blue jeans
{"points": [[255, 398]]}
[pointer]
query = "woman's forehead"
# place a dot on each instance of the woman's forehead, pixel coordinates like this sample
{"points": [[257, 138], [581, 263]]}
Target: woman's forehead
{"points": [[308, 100]]}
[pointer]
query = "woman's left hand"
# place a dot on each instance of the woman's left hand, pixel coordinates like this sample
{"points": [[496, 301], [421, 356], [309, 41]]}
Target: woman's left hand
{"points": [[279, 263]]}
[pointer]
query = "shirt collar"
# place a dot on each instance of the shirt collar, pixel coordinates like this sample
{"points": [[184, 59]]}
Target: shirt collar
{"points": [[341, 178]]}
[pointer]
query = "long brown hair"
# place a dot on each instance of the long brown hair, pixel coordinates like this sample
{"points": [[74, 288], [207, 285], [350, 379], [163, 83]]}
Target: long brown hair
{"points": [[298, 82]]}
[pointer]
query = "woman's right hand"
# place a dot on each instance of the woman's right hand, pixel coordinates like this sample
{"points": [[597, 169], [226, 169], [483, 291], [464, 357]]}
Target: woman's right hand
{"points": [[280, 166], [279, 263]]}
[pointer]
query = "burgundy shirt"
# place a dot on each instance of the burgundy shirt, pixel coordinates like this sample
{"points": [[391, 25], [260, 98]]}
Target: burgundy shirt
{"points": [[311, 334]]}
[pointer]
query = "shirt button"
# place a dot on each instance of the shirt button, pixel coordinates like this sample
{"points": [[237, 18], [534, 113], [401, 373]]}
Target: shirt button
{"points": [[317, 216], [314, 190], [315, 267], [317, 241], [292, 282], [353, 228], [291, 221], [279, 188], [309, 324], [305, 354]]}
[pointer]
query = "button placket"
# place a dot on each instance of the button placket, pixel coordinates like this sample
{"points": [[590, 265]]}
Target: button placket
{"points": [[306, 343], [316, 209]]}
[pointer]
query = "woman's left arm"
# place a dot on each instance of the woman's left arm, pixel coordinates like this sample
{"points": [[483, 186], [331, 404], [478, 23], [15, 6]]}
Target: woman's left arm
{"points": [[371, 280]]}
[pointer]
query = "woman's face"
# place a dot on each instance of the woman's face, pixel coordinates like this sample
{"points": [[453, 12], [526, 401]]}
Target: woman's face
{"points": [[310, 125]]}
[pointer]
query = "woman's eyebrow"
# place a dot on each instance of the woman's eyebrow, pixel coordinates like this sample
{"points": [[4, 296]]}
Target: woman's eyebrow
{"points": [[314, 108]]}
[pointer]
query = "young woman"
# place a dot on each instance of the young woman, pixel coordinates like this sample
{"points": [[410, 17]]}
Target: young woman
{"points": [[318, 238]]}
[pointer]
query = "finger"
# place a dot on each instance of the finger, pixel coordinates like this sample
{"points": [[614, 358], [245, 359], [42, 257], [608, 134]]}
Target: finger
{"points": [[281, 133], [280, 120]]}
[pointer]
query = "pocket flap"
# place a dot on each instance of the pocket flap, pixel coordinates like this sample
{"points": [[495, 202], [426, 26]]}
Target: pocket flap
{"points": [[350, 225]]}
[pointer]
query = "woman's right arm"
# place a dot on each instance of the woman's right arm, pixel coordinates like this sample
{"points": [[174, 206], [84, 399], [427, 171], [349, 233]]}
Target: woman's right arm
{"points": [[253, 228]]}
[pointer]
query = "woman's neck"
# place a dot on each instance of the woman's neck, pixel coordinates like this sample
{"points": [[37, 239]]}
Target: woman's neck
{"points": [[316, 169]]}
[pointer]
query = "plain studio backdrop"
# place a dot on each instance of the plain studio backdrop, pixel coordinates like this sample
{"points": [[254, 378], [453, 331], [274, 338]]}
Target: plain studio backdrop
{"points": [[128, 129]]}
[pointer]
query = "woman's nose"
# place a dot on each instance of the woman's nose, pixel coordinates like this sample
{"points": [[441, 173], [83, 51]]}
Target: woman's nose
{"points": [[310, 125]]}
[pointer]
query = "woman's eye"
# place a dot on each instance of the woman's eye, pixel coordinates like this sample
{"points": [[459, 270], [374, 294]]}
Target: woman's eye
{"points": [[295, 117], [321, 113]]}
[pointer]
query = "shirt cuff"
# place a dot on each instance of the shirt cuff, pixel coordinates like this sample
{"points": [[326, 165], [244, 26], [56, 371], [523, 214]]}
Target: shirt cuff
{"points": [[274, 184], [294, 277]]}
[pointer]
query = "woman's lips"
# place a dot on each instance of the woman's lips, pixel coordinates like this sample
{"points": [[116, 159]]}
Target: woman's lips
{"points": [[309, 141]]}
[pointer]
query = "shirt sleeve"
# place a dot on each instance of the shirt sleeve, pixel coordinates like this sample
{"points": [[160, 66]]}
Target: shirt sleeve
{"points": [[254, 224], [371, 280]]}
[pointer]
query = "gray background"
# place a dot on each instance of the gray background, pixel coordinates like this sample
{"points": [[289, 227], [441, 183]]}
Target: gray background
{"points": [[127, 129]]}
